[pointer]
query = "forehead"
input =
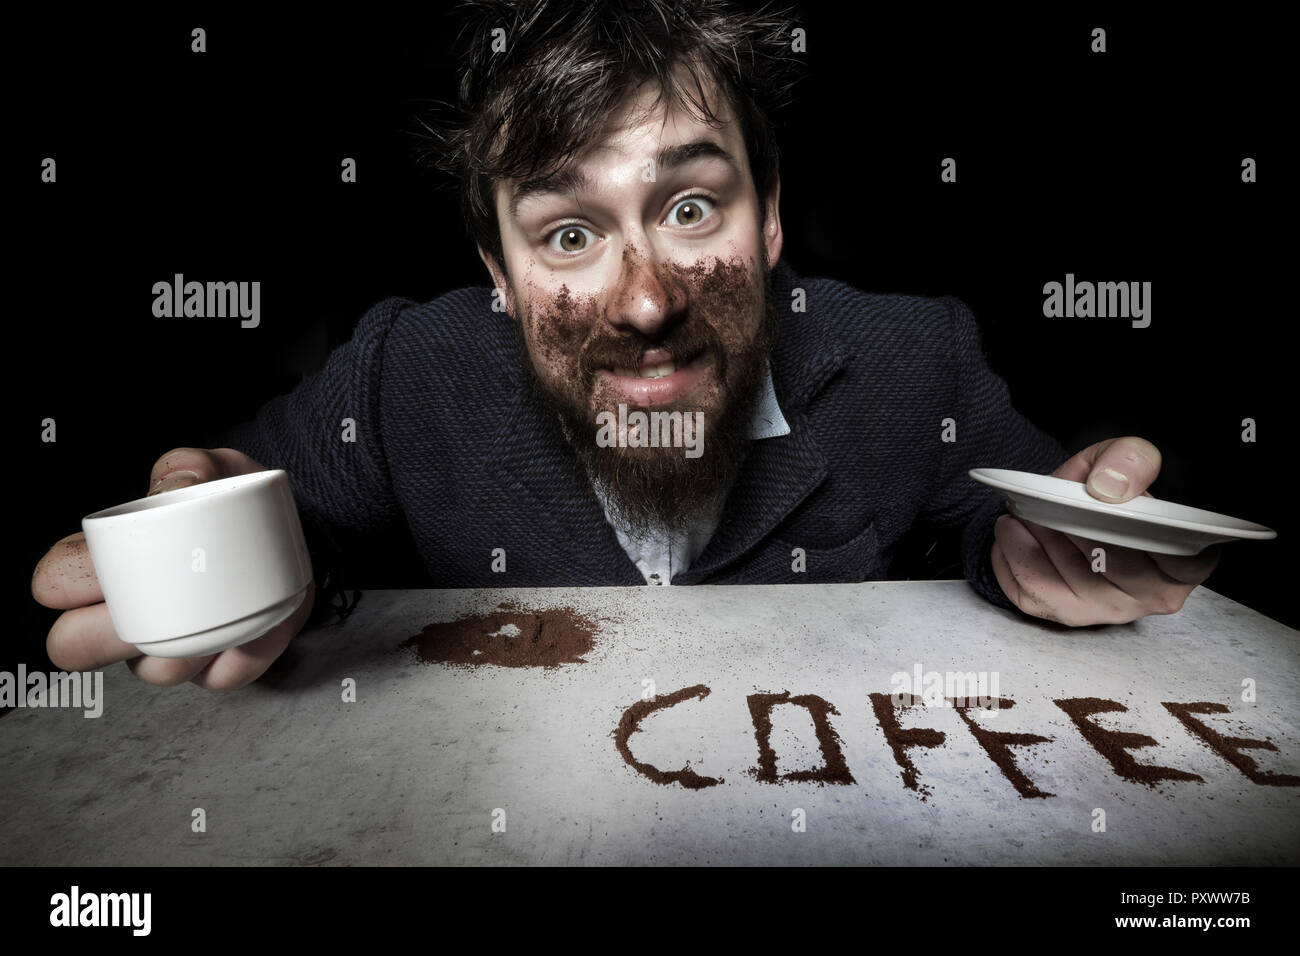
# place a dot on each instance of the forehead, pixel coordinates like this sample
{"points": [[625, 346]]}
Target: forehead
{"points": [[646, 128], [645, 122]]}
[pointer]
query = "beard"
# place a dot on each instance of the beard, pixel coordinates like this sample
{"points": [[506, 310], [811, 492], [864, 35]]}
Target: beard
{"points": [[647, 487]]}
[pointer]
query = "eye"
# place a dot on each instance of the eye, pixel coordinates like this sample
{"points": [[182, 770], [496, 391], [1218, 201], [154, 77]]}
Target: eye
{"points": [[568, 239], [690, 211]]}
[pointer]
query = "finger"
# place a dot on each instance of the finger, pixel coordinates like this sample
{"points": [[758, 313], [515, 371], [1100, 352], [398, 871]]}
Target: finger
{"points": [[1096, 599], [1024, 562], [1002, 571], [84, 639], [1139, 575], [1129, 569], [1154, 571], [167, 671], [1065, 558], [242, 665], [181, 467], [64, 577], [1188, 569], [1132, 565]]}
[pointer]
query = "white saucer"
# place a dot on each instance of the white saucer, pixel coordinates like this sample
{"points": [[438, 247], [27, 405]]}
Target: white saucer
{"points": [[1147, 524]]}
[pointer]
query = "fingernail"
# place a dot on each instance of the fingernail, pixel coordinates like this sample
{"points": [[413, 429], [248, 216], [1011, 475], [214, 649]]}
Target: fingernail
{"points": [[1109, 482], [177, 479]]}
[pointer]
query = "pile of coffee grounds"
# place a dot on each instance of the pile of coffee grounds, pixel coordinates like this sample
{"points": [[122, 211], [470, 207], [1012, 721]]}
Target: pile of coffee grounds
{"points": [[508, 637], [834, 770], [630, 724], [998, 744], [1115, 745], [1229, 748]]}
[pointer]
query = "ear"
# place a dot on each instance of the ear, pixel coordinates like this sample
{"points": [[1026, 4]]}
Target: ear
{"points": [[772, 237], [498, 279]]}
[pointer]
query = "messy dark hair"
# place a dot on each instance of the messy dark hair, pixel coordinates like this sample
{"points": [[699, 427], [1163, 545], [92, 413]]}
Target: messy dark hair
{"points": [[534, 96]]}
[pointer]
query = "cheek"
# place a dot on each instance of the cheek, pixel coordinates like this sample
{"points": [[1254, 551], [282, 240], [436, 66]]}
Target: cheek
{"points": [[557, 338], [728, 292], [555, 328]]}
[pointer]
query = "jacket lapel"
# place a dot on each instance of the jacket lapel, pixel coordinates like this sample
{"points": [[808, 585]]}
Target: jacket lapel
{"points": [[530, 458], [778, 473]]}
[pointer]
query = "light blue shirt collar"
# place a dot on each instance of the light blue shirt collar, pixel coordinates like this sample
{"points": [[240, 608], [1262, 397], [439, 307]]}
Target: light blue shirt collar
{"points": [[768, 422]]}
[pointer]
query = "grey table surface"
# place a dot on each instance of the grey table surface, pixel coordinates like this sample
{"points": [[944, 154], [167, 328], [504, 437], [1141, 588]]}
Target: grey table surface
{"points": [[441, 764]]}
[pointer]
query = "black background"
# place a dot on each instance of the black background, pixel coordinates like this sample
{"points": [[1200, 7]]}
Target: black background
{"points": [[1122, 166], [1015, 907]]}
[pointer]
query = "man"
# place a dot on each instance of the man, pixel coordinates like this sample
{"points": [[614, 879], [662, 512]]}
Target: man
{"points": [[648, 393]]}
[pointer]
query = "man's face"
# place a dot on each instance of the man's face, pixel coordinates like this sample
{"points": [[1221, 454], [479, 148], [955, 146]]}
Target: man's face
{"points": [[638, 276]]}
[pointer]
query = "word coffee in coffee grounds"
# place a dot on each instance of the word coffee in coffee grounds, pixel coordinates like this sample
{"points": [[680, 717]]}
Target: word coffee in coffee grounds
{"points": [[1229, 748], [508, 637], [998, 744], [834, 770], [631, 723], [1115, 745]]}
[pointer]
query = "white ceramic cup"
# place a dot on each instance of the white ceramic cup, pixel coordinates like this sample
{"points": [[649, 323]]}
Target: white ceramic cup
{"points": [[198, 570]]}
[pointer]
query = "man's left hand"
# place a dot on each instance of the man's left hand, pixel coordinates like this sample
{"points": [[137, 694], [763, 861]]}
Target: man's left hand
{"points": [[1049, 573]]}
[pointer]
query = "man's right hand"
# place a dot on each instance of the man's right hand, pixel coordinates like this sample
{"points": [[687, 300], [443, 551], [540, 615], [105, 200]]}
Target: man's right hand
{"points": [[83, 637]]}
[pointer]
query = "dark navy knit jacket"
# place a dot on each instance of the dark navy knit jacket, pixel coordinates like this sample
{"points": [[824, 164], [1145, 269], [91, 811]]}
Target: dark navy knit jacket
{"points": [[452, 447]]}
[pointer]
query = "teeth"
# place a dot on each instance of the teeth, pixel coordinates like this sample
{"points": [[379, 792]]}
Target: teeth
{"points": [[658, 371], [647, 371]]}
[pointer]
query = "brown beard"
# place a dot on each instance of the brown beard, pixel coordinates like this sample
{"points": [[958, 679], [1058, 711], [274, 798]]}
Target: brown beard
{"points": [[646, 487]]}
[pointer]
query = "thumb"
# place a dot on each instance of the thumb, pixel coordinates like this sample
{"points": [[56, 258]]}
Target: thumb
{"points": [[1114, 470]]}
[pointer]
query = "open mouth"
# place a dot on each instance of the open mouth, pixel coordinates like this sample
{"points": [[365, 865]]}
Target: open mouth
{"points": [[655, 363], [646, 370], [660, 377]]}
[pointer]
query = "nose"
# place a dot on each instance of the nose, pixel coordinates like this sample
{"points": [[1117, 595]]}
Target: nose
{"points": [[642, 302]]}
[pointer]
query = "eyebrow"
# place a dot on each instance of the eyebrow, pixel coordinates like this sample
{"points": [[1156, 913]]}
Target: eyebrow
{"points": [[571, 180], [672, 156], [563, 181]]}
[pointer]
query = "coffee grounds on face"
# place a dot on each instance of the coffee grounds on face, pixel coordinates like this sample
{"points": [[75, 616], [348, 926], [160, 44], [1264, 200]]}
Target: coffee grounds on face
{"points": [[508, 637], [998, 744], [631, 722], [1229, 748], [1115, 745], [834, 770], [900, 740]]}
